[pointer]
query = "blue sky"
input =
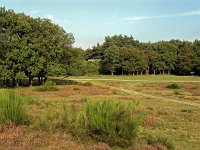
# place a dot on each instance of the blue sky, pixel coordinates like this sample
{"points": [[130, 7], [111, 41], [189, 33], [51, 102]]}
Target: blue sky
{"points": [[91, 20]]}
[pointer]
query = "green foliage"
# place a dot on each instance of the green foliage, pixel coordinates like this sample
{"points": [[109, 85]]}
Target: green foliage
{"points": [[160, 140], [13, 108], [92, 67], [114, 123], [173, 86]]}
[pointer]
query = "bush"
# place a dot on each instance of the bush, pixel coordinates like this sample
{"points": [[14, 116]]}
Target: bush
{"points": [[87, 84], [160, 140], [48, 86], [173, 86], [13, 108], [114, 123]]}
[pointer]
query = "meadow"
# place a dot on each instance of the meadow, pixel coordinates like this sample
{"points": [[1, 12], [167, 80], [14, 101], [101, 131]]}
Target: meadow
{"points": [[168, 107]]}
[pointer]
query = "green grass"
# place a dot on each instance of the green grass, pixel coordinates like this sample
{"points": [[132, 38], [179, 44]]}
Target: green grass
{"points": [[12, 108], [144, 78], [111, 122]]}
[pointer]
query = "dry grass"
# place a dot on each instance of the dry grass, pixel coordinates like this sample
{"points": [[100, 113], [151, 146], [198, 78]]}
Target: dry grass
{"points": [[178, 122], [22, 137]]}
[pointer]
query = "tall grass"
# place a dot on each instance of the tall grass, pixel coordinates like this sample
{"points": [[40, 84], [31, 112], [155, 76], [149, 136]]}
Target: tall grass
{"points": [[12, 108], [114, 123]]}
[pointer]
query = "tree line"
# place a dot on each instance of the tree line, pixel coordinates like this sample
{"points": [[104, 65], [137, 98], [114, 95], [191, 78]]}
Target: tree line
{"points": [[37, 48], [123, 55]]}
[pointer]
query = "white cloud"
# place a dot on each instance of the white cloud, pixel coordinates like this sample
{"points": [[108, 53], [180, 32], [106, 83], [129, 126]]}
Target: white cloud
{"points": [[50, 17], [137, 18]]}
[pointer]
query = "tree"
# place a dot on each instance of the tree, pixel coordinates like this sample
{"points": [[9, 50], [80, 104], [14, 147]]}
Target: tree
{"points": [[111, 59]]}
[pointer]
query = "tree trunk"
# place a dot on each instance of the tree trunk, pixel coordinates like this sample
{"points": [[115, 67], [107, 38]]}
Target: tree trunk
{"points": [[168, 72], [13, 82], [17, 83], [133, 74], [4, 82], [7, 82], [154, 72], [45, 79], [30, 81], [141, 73], [20, 82], [42, 80], [163, 72], [39, 80], [137, 73], [112, 73]]}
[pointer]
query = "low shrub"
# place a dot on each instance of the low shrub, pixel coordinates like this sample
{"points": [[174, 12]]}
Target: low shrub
{"points": [[48, 86], [160, 140], [114, 123], [186, 110], [13, 108], [87, 84], [173, 86]]}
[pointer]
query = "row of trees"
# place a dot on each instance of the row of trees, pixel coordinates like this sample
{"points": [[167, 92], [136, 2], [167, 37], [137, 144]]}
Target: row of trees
{"points": [[125, 55], [35, 47]]}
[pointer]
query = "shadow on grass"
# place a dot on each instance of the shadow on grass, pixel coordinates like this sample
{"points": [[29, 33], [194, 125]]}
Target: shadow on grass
{"points": [[24, 83]]}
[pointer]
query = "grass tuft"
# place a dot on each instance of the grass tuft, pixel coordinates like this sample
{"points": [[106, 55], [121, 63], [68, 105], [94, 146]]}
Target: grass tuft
{"points": [[13, 108], [87, 84], [173, 86], [161, 140], [114, 123]]}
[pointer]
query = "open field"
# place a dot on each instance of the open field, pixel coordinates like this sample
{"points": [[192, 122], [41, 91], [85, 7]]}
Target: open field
{"points": [[166, 113]]}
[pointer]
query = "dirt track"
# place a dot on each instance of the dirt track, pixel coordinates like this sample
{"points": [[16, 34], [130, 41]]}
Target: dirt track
{"points": [[132, 92]]}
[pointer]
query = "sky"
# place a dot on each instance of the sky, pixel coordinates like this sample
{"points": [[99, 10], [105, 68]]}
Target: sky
{"points": [[91, 20]]}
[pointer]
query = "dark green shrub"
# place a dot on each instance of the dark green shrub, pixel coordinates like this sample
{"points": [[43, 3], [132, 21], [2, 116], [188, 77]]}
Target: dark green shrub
{"points": [[186, 110], [13, 108], [87, 84], [114, 123], [173, 86], [160, 140]]}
